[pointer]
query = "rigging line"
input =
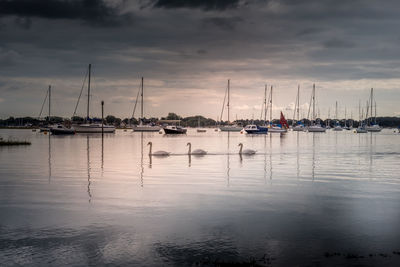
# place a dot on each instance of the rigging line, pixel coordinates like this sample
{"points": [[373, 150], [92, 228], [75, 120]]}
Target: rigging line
{"points": [[262, 106], [294, 111], [223, 104], [44, 101], [267, 106], [137, 97], [80, 94], [309, 106]]}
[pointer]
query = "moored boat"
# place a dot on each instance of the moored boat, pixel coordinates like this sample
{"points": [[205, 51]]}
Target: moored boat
{"points": [[172, 129], [91, 127], [61, 129], [255, 129]]}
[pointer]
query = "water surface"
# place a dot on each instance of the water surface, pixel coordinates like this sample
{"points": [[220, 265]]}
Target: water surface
{"points": [[322, 199]]}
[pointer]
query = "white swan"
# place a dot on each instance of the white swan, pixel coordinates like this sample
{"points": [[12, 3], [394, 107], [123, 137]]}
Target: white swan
{"points": [[196, 151], [157, 153], [246, 151]]}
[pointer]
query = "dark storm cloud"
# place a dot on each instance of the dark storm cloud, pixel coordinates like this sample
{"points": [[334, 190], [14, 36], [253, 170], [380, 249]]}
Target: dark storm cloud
{"points": [[183, 44], [223, 23], [96, 12], [201, 4]]}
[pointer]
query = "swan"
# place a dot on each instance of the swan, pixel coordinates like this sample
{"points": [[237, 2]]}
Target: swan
{"points": [[196, 151], [157, 153], [246, 151]]}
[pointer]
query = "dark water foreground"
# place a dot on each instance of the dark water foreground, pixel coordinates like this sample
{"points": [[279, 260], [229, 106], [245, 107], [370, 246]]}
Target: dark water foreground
{"points": [[303, 200]]}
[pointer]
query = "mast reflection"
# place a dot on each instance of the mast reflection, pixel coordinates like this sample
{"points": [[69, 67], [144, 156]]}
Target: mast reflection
{"points": [[88, 168], [313, 157], [141, 159], [228, 161], [49, 158], [298, 156]]}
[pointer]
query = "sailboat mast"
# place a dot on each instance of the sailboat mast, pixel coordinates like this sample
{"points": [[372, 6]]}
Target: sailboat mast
{"points": [[88, 96], [298, 102], [228, 97], [141, 112], [372, 95], [336, 116], [49, 101], [270, 107], [265, 104], [375, 113], [313, 100]]}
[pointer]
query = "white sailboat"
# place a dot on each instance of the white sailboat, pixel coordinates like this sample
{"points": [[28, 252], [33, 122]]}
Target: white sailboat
{"points": [[299, 126], [229, 127], [92, 127], [200, 130], [314, 127], [337, 124], [361, 126], [143, 127], [372, 126]]}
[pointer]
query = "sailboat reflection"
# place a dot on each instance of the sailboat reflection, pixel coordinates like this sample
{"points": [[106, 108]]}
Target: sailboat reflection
{"points": [[270, 157], [141, 159], [228, 161], [313, 157], [88, 168], [265, 158], [49, 158], [298, 156], [102, 155], [190, 160]]}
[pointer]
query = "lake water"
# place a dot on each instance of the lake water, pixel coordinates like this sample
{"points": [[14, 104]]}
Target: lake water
{"points": [[322, 199]]}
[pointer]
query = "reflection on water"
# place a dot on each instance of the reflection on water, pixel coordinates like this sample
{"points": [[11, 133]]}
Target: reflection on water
{"points": [[88, 168], [332, 193], [49, 158]]}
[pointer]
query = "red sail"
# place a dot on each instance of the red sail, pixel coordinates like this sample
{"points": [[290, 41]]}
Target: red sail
{"points": [[283, 121]]}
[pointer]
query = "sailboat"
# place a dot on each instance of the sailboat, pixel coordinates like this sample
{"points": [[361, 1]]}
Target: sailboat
{"points": [[199, 130], [229, 128], [274, 128], [255, 129], [299, 127], [47, 127], [143, 127], [345, 120], [337, 124], [361, 125], [91, 127], [314, 127], [372, 126]]}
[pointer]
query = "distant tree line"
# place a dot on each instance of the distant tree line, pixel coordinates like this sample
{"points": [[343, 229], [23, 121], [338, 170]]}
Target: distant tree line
{"points": [[191, 121]]}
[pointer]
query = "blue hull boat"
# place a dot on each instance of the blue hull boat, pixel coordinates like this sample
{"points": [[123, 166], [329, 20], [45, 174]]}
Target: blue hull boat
{"points": [[254, 129]]}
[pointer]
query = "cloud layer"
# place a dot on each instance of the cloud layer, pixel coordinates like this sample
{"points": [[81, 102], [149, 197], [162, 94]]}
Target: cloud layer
{"points": [[186, 50]]}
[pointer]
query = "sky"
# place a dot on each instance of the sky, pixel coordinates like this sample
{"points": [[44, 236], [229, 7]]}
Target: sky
{"points": [[186, 50]]}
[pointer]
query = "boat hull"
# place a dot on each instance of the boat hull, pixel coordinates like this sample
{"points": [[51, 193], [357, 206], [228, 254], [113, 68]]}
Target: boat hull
{"points": [[277, 130], [256, 130], [298, 129], [316, 129], [361, 130], [173, 131], [231, 129], [373, 129], [88, 128], [146, 128], [56, 131]]}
